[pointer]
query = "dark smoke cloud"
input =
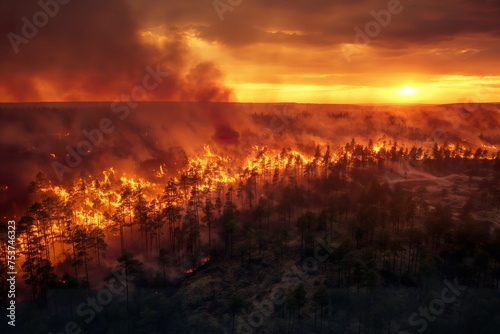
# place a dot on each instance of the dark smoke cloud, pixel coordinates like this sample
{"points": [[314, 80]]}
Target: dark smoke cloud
{"points": [[225, 134], [93, 50], [34, 136]]}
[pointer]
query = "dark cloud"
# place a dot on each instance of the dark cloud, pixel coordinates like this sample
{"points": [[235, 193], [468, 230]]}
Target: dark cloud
{"points": [[320, 27], [323, 22], [92, 50]]}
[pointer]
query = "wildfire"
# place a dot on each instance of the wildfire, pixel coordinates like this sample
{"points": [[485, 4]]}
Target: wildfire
{"points": [[377, 147], [135, 183], [107, 173], [113, 199], [203, 260], [90, 200], [95, 200], [491, 147], [161, 171]]}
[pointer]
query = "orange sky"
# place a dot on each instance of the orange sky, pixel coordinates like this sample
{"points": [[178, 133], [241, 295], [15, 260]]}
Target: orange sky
{"points": [[340, 51]]}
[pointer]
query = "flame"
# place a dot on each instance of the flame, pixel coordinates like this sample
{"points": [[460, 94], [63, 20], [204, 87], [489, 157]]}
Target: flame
{"points": [[203, 260], [93, 199], [161, 172], [491, 147], [377, 147]]}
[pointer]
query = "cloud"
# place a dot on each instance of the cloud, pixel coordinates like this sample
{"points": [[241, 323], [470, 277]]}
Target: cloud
{"points": [[94, 50]]}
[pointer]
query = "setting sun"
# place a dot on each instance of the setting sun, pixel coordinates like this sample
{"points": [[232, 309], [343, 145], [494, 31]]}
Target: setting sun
{"points": [[407, 91]]}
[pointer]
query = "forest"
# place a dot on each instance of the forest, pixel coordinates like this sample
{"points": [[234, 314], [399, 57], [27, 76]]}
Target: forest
{"points": [[364, 238]]}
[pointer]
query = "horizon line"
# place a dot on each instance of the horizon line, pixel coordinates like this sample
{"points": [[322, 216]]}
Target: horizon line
{"points": [[247, 102]]}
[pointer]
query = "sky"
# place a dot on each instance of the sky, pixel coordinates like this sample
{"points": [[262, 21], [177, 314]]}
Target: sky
{"points": [[322, 51]]}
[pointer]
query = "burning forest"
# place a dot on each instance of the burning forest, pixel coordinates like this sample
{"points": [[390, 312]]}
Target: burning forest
{"points": [[267, 195]]}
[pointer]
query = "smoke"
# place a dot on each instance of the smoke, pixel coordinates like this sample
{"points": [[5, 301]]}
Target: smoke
{"points": [[34, 136], [95, 51]]}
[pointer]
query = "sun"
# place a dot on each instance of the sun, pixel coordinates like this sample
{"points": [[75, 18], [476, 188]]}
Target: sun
{"points": [[407, 91]]}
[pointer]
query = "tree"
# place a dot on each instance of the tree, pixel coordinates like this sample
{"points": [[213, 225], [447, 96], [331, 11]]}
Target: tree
{"points": [[371, 280], [421, 191], [131, 267], [173, 215], [415, 238], [438, 223], [300, 297], [228, 221], [126, 206], [97, 242], [235, 307], [290, 305], [119, 219], [41, 220], [38, 273], [163, 262], [141, 217], [305, 224], [261, 211], [437, 152], [191, 229], [493, 247], [82, 244], [320, 298], [50, 205], [156, 222], [208, 211], [35, 266]]}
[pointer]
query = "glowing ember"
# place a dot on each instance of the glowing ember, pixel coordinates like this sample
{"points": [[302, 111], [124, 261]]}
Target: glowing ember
{"points": [[203, 261]]}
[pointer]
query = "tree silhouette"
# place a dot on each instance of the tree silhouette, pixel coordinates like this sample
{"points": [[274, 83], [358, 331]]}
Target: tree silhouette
{"points": [[141, 217], [235, 307], [228, 221], [320, 298], [38, 272], [208, 211], [82, 244], [96, 236], [163, 261], [300, 297], [131, 267]]}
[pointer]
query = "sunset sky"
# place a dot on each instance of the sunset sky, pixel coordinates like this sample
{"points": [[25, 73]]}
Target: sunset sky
{"points": [[427, 51]]}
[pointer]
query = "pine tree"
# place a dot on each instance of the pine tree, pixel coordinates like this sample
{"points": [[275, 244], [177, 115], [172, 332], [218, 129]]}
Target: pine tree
{"points": [[131, 267]]}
